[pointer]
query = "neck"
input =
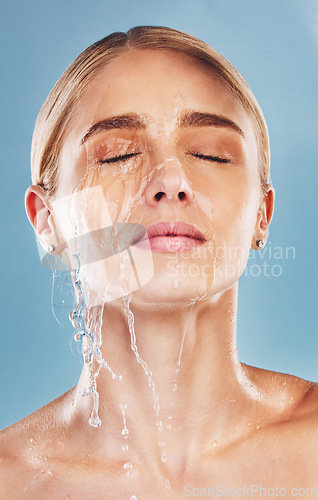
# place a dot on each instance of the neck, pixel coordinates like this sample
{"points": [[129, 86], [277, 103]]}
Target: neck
{"points": [[181, 382]]}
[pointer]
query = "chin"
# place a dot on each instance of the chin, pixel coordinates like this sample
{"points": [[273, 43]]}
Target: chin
{"points": [[158, 278], [172, 288]]}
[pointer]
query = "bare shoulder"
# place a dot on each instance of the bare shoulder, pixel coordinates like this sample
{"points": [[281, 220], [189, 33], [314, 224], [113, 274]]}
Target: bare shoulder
{"points": [[23, 446], [296, 398], [20, 436]]}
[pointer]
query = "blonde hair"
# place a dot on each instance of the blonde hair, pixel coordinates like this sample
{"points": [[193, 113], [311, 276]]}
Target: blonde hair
{"points": [[57, 109]]}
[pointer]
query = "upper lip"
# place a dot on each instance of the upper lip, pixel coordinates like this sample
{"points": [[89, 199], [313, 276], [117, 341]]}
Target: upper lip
{"points": [[174, 228]]}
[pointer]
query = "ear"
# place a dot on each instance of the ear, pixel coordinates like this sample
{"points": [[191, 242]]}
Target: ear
{"points": [[264, 216], [38, 210]]}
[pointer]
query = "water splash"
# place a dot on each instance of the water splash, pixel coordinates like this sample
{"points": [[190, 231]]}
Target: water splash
{"points": [[88, 322], [125, 431], [177, 371], [89, 333], [140, 360], [183, 336]]}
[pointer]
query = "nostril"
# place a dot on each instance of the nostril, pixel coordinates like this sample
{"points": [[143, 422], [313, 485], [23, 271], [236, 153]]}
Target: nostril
{"points": [[159, 195]]}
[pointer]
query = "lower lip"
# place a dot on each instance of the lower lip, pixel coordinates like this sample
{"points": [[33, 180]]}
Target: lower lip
{"points": [[170, 243]]}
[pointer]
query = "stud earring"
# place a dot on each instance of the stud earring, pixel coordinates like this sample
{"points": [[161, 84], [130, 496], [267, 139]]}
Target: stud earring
{"points": [[50, 249], [260, 243]]}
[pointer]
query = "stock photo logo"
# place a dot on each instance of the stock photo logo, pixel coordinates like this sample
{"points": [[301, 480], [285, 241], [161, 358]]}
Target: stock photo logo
{"points": [[270, 261], [106, 253]]}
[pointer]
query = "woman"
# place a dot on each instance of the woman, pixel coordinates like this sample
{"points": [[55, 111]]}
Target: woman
{"points": [[150, 166]]}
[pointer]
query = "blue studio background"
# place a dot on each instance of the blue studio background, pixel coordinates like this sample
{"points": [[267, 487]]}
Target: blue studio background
{"points": [[274, 44]]}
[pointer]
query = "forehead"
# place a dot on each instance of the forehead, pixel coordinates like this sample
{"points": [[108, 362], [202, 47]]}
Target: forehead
{"points": [[160, 85]]}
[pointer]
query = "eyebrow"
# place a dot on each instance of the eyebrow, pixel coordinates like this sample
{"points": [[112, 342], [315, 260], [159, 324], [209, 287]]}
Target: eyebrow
{"points": [[198, 119], [129, 121], [133, 121]]}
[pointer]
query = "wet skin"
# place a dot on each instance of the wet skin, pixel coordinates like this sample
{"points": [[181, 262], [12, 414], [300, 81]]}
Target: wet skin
{"points": [[231, 424]]}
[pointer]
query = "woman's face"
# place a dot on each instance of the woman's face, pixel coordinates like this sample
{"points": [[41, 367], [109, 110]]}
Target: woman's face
{"points": [[158, 138]]}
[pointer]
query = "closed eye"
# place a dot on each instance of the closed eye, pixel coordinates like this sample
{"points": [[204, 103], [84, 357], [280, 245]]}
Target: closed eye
{"points": [[210, 157], [119, 158]]}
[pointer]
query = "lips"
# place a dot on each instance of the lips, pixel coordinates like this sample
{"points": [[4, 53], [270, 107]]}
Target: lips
{"points": [[173, 236]]}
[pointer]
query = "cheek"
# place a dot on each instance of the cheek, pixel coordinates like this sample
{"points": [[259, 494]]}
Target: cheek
{"points": [[235, 214], [121, 195]]}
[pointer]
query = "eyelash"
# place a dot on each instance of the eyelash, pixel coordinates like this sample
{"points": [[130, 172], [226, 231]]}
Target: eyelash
{"points": [[201, 156], [119, 158], [210, 158]]}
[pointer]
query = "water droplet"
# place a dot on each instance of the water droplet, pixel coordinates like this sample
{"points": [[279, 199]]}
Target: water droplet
{"points": [[51, 473], [233, 400], [124, 447], [162, 443], [159, 425], [95, 421], [214, 443], [249, 423], [133, 497], [127, 465], [125, 432], [258, 427], [168, 427], [167, 484], [164, 456], [175, 387]]}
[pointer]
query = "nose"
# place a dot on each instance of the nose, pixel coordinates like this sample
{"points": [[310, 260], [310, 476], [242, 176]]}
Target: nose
{"points": [[168, 182]]}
